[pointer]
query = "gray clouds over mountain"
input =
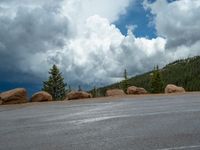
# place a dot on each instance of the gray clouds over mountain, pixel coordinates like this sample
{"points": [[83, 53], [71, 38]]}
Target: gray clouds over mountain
{"points": [[80, 37]]}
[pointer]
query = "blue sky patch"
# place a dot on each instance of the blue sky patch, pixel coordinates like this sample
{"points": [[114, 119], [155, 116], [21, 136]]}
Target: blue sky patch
{"points": [[136, 15]]}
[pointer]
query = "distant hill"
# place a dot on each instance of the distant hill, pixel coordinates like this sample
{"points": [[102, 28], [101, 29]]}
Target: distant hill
{"points": [[184, 72]]}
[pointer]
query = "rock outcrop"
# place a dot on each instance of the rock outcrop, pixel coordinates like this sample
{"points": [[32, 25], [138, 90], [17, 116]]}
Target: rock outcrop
{"points": [[41, 97], [115, 92], [15, 96], [136, 90], [78, 95], [171, 88]]}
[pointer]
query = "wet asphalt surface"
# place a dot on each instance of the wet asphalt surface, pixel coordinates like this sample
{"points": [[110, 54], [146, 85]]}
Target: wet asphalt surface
{"points": [[131, 123]]}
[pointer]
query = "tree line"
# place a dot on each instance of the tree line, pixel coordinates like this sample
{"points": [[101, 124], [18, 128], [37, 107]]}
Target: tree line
{"points": [[185, 73]]}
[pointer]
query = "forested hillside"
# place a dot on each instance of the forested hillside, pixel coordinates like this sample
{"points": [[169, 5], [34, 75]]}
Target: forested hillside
{"points": [[185, 73]]}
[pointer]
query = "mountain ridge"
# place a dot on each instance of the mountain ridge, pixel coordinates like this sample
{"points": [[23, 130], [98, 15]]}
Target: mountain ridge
{"points": [[182, 72]]}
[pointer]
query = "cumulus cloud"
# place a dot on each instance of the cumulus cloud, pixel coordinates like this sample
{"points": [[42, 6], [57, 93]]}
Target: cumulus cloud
{"points": [[36, 34], [101, 53], [177, 21], [80, 37], [82, 9]]}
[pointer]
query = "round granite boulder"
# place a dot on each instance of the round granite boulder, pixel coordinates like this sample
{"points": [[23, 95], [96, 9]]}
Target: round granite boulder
{"points": [[15, 96], [171, 88], [41, 97]]}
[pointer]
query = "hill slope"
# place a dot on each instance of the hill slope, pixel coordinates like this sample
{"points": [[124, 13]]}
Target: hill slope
{"points": [[185, 73]]}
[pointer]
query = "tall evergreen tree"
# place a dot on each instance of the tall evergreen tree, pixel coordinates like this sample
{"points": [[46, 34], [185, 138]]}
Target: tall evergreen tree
{"points": [[55, 84], [156, 81], [125, 75], [124, 83], [94, 92]]}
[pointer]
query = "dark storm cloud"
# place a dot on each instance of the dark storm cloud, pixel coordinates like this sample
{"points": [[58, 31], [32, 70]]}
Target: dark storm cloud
{"points": [[25, 31]]}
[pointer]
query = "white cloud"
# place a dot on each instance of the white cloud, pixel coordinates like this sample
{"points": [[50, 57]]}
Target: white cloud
{"points": [[71, 35], [101, 53], [82, 9], [79, 36], [178, 21]]}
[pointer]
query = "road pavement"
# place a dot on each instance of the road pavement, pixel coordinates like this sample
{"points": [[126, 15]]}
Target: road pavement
{"points": [[170, 122]]}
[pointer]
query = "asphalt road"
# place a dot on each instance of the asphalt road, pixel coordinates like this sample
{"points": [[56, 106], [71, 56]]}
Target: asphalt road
{"points": [[131, 123]]}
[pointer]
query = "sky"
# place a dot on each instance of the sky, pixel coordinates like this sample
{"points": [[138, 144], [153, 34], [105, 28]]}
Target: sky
{"points": [[93, 41]]}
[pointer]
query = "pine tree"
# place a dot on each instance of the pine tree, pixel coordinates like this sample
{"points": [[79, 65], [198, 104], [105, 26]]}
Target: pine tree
{"points": [[55, 84], [156, 81], [124, 83], [125, 75], [94, 92]]}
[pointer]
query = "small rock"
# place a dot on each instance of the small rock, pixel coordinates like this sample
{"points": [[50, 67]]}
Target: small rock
{"points": [[136, 90], [78, 95]]}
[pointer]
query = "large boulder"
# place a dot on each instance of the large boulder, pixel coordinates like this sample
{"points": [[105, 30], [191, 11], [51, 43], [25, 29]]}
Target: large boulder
{"points": [[115, 92], [136, 90], [15, 96], [78, 95], [170, 88], [41, 97]]}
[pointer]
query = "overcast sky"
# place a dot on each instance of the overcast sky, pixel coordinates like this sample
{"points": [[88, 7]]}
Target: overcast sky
{"points": [[93, 41]]}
